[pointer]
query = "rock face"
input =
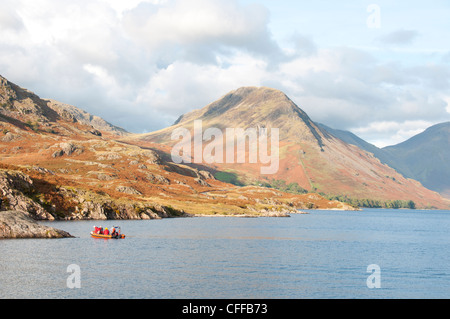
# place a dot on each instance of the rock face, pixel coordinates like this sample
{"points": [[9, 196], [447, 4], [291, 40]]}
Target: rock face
{"points": [[17, 224], [75, 114], [14, 188], [17, 191]]}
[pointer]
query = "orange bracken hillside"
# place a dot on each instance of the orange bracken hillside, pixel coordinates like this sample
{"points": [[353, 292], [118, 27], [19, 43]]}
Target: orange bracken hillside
{"points": [[56, 164], [309, 156]]}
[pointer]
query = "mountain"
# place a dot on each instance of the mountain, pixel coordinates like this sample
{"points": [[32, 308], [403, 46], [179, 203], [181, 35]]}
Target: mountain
{"points": [[352, 139], [77, 115], [249, 107], [309, 156], [59, 162], [424, 157], [17, 103]]}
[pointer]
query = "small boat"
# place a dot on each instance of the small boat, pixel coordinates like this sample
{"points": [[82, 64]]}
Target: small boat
{"points": [[117, 235]]}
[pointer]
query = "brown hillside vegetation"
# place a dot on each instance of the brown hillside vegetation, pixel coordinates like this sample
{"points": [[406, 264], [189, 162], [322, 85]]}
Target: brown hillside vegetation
{"points": [[309, 156], [55, 165]]}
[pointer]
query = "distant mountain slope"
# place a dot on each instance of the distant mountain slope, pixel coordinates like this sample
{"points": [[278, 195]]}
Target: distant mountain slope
{"points": [[76, 114], [424, 157], [309, 155], [350, 138], [21, 106]]}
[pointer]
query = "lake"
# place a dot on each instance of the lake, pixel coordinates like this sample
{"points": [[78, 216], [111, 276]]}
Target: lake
{"points": [[323, 254]]}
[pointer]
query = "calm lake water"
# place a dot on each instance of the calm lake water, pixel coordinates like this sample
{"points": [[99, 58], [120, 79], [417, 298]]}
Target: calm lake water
{"points": [[323, 254]]}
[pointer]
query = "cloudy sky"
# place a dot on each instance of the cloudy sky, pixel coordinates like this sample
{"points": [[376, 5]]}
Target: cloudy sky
{"points": [[378, 68]]}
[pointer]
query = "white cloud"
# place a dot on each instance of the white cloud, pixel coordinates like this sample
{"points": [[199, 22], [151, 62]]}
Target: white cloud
{"points": [[9, 19], [85, 53], [141, 64], [193, 21], [101, 75], [172, 90], [385, 133], [120, 6], [447, 100], [186, 26], [400, 37]]}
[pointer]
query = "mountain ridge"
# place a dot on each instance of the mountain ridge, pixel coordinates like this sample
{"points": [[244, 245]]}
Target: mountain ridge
{"points": [[56, 166], [17, 103], [271, 108], [309, 155], [423, 157]]}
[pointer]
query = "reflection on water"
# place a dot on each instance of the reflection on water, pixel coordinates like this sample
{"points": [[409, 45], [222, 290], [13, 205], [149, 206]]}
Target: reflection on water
{"points": [[323, 254]]}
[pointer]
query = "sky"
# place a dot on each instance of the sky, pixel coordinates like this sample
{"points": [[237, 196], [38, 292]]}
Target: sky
{"points": [[380, 69]]}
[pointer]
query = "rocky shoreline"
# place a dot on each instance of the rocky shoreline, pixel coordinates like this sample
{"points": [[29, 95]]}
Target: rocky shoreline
{"points": [[17, 224], [26, 198]]}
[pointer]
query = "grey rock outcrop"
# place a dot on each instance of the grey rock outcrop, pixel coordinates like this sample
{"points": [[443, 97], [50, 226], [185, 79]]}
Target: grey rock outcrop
{"points": [[128, 190], [157, 179], [68, 148], [14, 188], [17, 224]]}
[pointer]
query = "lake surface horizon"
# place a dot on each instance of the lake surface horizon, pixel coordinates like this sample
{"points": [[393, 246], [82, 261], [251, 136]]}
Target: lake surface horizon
{"points": [[320, 255]]}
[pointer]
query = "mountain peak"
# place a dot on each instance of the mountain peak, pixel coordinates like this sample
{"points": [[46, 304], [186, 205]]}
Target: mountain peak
{"points": [[261, 91], [256, 107], [253, 99], [243, 99], [245, 108]]}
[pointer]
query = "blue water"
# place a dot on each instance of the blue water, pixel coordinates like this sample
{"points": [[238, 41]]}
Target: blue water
{"points": [[324, 254]]}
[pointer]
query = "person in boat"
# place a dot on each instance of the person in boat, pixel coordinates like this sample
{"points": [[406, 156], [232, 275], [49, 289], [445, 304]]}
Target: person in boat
{"points": [[113, 232], [97, 230], [106, 231]]}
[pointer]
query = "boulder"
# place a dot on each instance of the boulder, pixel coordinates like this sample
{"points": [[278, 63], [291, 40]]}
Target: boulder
{"points": [[157, 179], [153, 157], [58, 153], [95, 132], [128, 190], [10, 137], [68, 148]]}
